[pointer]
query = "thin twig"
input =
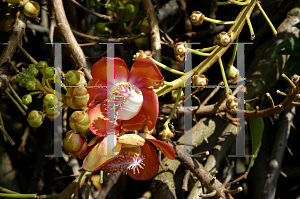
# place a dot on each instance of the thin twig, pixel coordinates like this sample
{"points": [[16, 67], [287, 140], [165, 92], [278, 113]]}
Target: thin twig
{"points": [[186, 180], [91, 12]]}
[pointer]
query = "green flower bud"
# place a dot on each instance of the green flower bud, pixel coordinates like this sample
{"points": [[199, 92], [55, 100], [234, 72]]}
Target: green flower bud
{"points": [[129, 8], [140, 42], [223, 39], [30, 85], [13, 1], [49, 71], [77, 98], [35, 118], [109, 6], [27, 99], [144, 27], [92, 3], [200, 80], [197, 18], [32, 9], [32, 70], [50, 100], [51, 113], [79, 121], [74, 144], [231, 102], [75, 77], [41, 66], [232, 72]]}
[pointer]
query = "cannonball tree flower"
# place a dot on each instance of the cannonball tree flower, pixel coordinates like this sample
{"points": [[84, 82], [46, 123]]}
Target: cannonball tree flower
{"points": [[132, 95], [132, 155]]}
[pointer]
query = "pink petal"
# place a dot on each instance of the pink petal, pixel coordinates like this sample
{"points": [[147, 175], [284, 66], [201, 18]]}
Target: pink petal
{"points": [[98, 122], [98, 156], [99, 70], [135, 123], [96, 94], [164, 147], [150, 106], [144, 73], [90, 145], [151, 164]]}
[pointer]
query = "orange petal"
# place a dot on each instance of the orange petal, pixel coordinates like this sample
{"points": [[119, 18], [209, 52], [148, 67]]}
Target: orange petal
{"points": [[151, 164], [98, 122], [90, 145], [96, 94], [164, 147], [98, 157], [150, 107], [99, 70], [135, 123], [144, 73]]}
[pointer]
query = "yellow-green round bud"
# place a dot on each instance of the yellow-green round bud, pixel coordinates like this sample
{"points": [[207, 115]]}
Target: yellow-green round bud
{"points": [[100, 27], [129, 8], [80, 121], [27, 99], [180, 49], [144, 27], [231, 102], [224, 39], [51, 113], [13, 1], [50, 100], [32, 9], [73, 143], [41, 66], [30, 85], [200, 80], [77, 98], [49, 72], [35, 118], [75, 77], [197, 18], [232, 72]]}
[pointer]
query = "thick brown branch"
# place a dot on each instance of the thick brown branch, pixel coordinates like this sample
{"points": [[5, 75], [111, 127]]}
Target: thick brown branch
{"points": [[76, 53], [154, 29]]}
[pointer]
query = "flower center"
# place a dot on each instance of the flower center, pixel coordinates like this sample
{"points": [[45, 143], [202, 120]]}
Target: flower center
{"points": [[128, 100], [128, 161]]}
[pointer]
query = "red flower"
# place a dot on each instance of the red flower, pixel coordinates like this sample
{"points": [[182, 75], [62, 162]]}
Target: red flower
{"points": [[132, 155], [130, 95]]}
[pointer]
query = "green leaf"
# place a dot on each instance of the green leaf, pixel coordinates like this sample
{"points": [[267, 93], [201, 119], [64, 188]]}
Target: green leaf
{"points": [[288, 47], [297, 25], [291, 67], [256, 129]]}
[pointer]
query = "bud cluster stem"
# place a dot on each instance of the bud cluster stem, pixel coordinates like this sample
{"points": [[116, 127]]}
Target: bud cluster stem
{"points": [[224, 76], [166, 67], [196, 52], [230, 64], [174, 108]]}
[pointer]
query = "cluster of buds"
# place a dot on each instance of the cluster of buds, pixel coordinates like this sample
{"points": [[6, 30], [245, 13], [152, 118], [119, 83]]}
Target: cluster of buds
{"points": [[75, 140], [180, 50], [231, 102], [51, 106], [77, 97], [224, 39], [197, 18], [200, 80]]}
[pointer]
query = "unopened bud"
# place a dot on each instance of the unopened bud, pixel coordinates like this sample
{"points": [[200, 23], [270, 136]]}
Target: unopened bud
{"points": [[35, 118], [74, 144], [197, 18], [223, 39], [80, 121], [166, 133], [32, 9], [77, 98]]}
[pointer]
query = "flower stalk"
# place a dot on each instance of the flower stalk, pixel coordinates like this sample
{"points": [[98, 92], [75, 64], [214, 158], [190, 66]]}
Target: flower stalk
{"points": [[267, 19], [166, 67], [224, 76], [230, 64]]}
